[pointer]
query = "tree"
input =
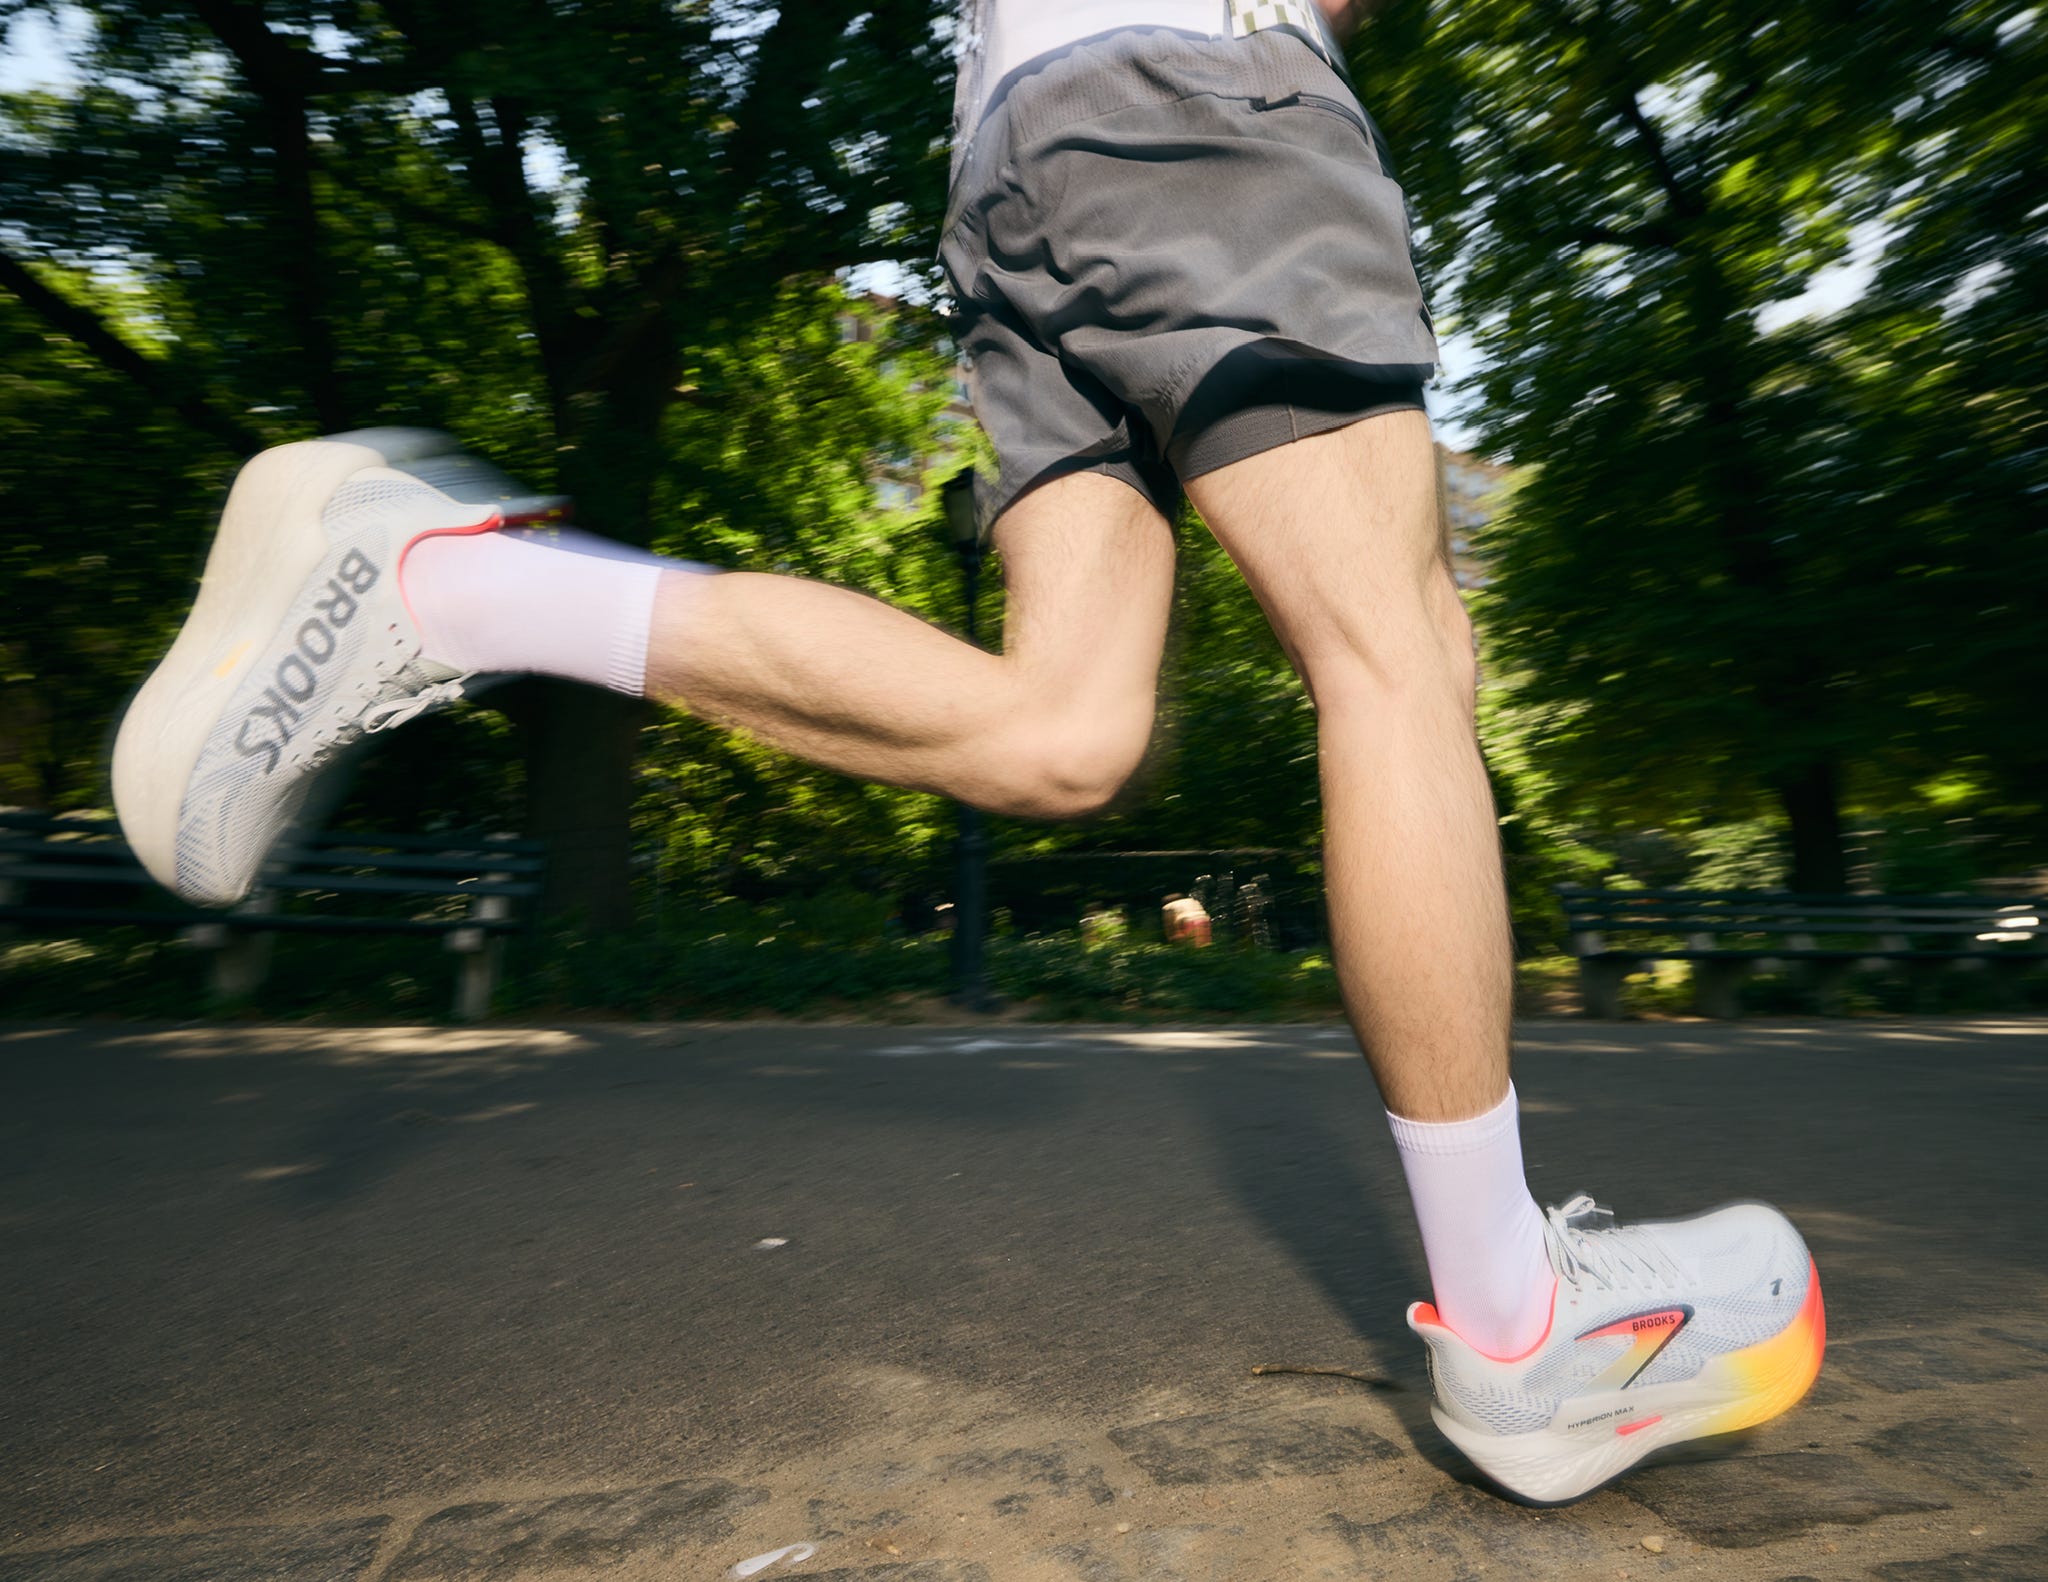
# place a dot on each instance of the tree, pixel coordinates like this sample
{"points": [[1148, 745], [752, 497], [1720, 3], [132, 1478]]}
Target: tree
{"points": [[83, 559], [1750, 558], [528, 222]]}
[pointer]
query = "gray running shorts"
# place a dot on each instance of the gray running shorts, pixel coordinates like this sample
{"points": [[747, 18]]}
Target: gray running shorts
{"points": [[1169, 253]]}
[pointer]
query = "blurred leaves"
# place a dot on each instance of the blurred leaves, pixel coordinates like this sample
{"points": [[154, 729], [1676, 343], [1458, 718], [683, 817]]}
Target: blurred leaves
{"points": [[1767, 577], [1757, 562], [594, 238]]}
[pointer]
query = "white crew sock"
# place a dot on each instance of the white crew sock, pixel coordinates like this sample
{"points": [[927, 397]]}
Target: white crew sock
{"points": [[546, 601], [1481, 1230]]}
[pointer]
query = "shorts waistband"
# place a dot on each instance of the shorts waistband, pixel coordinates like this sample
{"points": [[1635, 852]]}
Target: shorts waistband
{"points": [[1139, 66]]}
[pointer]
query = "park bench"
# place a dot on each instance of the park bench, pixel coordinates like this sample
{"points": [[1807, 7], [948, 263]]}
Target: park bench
{"points": [[466, 889], [1726, 935]]}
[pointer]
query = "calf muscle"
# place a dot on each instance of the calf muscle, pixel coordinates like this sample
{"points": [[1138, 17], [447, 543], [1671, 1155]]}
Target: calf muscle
{"points": [[1340, 538]]}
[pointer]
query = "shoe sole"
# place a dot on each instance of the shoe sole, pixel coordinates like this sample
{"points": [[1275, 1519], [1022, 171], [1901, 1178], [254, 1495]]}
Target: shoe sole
{"points": [[270, 541], [1731, 1393]]}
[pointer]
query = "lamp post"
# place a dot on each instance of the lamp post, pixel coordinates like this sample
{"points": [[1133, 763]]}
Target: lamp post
{"points": [[970, 852]]}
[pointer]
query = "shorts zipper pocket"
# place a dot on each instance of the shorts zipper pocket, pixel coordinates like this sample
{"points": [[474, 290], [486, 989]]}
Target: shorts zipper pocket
{"points": [[1339, 107], [1358, 115], [1316, 101]]}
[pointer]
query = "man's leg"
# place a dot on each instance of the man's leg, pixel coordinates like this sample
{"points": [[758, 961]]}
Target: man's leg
{"points": [[1563, 1350], [1339, 537], [356, 582], [1049, 728]]}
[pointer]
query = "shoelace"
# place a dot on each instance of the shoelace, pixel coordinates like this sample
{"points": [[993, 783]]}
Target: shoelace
{"points": [[1615, 1257], [384, 714], [393, 712]]}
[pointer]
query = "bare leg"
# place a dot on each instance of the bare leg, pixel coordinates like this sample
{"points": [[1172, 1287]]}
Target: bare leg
{"points": [[1339, 538], [1049, 728]]}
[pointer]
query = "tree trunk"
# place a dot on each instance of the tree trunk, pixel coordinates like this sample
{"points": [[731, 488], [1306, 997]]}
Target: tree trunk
{"points": [[1741, 492], [301, 268], [579, 744], [1811, 798]]}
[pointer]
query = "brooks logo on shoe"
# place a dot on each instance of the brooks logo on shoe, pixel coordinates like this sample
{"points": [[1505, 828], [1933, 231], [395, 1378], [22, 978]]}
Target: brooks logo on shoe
{"points": [[268, 727], [1647, 1333]]}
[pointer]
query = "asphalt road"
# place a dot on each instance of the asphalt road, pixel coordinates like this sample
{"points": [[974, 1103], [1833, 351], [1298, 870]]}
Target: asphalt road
{"points": [[950, 1304]]}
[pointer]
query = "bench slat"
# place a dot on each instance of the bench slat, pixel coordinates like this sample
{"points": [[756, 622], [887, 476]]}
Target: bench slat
{"points": [[23, 846], [68, 873], [455, 841], [256, 922], [297, 883], [108, 916], [20, 819], [301, 861], [371, 884], [1785, 953], [1980, 908], [1697, 926], [344, 923], [1910, 928], [1575, 892]]}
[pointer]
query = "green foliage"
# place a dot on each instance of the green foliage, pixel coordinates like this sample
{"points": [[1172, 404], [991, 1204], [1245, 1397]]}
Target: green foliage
{"points": [[1148, 979], [598, 244], [1237, 760], [824, 955], [85, 557], [839, 951], [117, 972], [594, 247], [733, 958], [1761, 602], [1233, 756], [1754, 567], [777, 475]]}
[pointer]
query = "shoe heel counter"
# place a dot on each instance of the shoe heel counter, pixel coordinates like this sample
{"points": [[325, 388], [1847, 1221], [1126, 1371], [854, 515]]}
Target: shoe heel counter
{"points": [[1439, 1357]]}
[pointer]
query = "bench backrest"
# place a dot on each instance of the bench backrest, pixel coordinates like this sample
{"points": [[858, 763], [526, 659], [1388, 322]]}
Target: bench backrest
{"points": [[1771, 912], [71, 850]]}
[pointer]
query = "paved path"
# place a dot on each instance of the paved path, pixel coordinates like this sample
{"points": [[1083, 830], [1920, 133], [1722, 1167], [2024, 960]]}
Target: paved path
{"points": [[949, 1305]]}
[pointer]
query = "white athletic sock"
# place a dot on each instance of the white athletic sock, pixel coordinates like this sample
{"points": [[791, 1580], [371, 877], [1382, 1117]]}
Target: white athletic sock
{"points": [[1481, 1230], [549, 602]]}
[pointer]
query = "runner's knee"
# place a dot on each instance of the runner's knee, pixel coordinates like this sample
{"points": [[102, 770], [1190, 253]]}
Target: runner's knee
{"points": [[1403, 643], [1071, 760]]}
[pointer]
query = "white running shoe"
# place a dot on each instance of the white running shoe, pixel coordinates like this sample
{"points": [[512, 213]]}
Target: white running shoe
{"points": [[299, 644], [1659, 1332]]}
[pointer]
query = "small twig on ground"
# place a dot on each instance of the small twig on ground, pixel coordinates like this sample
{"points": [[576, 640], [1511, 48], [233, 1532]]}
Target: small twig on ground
{"points": [[1371, 1380]]}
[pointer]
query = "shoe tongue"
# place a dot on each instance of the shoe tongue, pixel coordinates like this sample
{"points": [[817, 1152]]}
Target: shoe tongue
{"points": [[474, 481], [434, 672]]}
